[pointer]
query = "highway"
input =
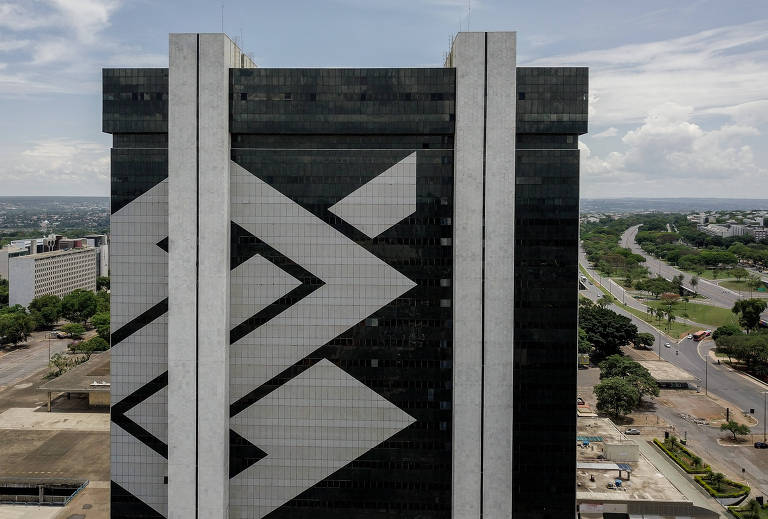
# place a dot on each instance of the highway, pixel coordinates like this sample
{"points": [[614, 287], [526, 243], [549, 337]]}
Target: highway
{"points": [[689, 355], [717, 295]]}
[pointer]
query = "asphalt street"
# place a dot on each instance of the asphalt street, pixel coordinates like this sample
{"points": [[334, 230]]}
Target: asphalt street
{"points": [[717, 295], [25, 361], [689, 355]]}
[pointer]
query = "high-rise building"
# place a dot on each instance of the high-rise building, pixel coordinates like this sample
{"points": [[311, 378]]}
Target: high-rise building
{"points": [[344, 293]]}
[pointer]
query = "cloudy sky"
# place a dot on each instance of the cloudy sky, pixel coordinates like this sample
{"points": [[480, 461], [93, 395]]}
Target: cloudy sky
{"points": [[679, 95]]}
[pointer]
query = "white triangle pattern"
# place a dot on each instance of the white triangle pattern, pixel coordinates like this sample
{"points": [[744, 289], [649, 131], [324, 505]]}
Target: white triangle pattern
{"points": [[310, 427], [384, 201], [254, 285]]}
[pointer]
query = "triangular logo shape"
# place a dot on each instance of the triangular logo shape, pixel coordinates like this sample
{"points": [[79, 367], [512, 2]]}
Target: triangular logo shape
{"points": [[242, 454], [383, 202]]}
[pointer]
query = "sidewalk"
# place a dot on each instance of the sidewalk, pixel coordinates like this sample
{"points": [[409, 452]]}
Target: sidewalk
{"points": [[683, 483]]}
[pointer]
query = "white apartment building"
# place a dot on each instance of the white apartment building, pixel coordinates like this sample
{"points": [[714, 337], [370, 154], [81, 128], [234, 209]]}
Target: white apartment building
{"points": [[57, 273]]}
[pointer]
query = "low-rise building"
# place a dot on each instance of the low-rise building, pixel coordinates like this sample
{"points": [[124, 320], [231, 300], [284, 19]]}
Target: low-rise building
{"points": [[57, 273], [615, 479]]}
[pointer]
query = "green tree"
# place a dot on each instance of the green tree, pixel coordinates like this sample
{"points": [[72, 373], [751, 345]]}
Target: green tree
{"points": [[102, 283], [3, 292], [46, 310], [739, 273], [727, 330], [695, 283], [716, 479], [606, 330], [616, 396], [74, 330], [645, 340], [101, 322], [604, 301], [102, 302], [79, 306], [749, 311], [619, 366], [94, 344], [735, 428], [15, 327]]}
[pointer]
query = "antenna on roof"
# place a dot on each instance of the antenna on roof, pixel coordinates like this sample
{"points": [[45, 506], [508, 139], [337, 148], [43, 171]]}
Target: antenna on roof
{"points": [[469, 12], [222, 17]]}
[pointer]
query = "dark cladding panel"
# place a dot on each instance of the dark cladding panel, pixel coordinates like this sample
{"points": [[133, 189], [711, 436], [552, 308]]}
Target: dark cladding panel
{"points": [[135, 100], [552, 112], [402, 352], [342, 101], [552, 100]]}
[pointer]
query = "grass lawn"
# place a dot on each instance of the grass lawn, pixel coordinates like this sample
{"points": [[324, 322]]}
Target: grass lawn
{"points": [[709, 274], [713, 316]]}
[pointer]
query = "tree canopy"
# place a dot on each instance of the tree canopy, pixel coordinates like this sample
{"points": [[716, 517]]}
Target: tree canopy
{"points": [[619, 366], [606, 330], [749, 311], [79, 306], [46, 310], [101, 322], [616, 396], [15, 326]]}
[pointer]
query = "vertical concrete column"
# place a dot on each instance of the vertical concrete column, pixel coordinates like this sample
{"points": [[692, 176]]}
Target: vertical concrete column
{"points": [[498, 293], [468, 57], [182, 275], [216, 57]]}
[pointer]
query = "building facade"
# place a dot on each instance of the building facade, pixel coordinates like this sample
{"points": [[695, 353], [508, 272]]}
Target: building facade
{"points": [[342, 292], [57, 273]]}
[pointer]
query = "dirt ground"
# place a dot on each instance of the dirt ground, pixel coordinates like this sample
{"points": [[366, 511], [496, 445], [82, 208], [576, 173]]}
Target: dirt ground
{"points": [[53, 448]]}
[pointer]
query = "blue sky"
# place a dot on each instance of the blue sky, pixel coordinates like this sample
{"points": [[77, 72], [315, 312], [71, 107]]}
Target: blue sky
{"points": [[678, 90]]}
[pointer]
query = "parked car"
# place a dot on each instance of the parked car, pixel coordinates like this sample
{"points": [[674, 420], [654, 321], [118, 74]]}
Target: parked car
{"points": [[61, 335], [761, 445], [632, 431], [689, 336]]}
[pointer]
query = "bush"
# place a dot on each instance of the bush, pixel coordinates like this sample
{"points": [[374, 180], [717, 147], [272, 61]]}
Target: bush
{"points": [[737, 489], [91, 345], [74, 330], [702, 469]]}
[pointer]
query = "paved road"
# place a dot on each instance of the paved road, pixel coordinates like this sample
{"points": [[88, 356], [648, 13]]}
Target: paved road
{"points": [[702, 439], [689, 355], [21, 363], [717, 295]]}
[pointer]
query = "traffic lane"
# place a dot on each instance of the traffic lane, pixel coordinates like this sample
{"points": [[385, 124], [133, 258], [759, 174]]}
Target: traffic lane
{"points": [[719, 379], [718, 295]]}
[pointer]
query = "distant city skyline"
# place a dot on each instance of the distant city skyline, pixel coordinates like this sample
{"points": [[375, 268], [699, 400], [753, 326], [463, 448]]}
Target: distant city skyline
{"points": [[678, 105]]}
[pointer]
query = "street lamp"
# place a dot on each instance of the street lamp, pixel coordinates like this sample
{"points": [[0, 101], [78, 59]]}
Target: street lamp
{"points": [[764, 413]]}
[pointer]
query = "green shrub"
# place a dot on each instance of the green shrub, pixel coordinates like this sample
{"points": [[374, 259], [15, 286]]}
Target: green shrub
{"points": [[680, 461], [740, 490]]}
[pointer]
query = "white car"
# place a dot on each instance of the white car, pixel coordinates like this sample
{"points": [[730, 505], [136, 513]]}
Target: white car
{"points": [[667, 345], [689, 337], [632, 431]]}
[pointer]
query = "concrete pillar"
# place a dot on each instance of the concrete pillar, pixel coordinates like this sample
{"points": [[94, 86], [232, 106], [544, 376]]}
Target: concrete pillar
{"points": [[483, 244]]}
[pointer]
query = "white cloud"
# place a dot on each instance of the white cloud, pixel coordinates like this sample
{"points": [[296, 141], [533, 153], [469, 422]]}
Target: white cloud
{"points": [[58, 166], [711, 70], [669, 155], [610, 132]]}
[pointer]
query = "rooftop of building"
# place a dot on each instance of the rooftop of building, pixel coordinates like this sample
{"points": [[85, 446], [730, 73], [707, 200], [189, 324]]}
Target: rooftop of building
{"points": [[663, 371], [44, 255], [645, 483], [92, 375]]}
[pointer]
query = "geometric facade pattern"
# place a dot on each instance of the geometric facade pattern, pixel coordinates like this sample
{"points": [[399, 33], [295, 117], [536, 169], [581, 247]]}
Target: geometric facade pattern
{"points": [[382, 202]]}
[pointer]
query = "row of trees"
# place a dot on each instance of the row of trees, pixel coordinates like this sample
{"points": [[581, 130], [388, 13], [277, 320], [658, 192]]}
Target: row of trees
{"points": [[78, 307], [604, 330]]}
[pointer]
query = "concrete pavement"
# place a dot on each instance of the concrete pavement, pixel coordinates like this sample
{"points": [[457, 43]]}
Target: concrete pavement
{"points": [[681, 482]]}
